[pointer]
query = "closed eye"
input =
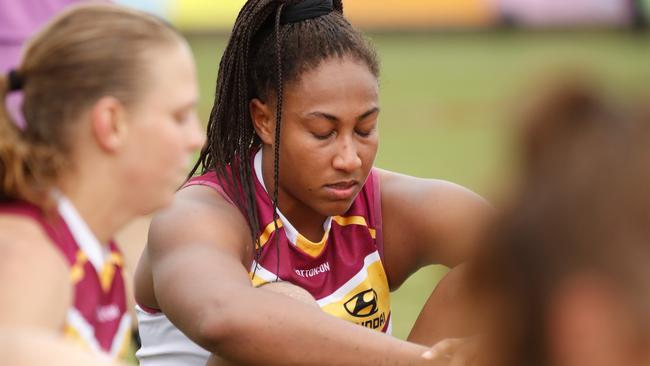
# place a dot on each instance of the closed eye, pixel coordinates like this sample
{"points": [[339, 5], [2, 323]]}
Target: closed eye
{"points": [[184, 117], [324, 136], [364, 133], [366, 129]]}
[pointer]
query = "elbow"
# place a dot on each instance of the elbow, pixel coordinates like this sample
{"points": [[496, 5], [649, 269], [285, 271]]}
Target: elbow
{"points": [[215, 325], [220, 324]]}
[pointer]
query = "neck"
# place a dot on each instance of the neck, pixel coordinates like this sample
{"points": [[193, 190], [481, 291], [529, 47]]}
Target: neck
{"points": [[304, 219], [97, 203]]}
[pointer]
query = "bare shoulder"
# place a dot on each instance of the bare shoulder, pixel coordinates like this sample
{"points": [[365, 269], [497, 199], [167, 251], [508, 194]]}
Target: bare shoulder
{"points": [[428, 221], [199, 226], [430, 202], [34, 276], [395, 187], [200, 214], [25, 246]]}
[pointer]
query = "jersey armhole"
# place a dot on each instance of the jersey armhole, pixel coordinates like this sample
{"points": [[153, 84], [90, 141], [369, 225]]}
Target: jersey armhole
{"points": [[199, 181], [376, 192]]}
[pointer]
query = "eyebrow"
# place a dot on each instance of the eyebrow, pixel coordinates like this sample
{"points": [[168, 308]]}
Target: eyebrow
{"points": [[334, 118]]}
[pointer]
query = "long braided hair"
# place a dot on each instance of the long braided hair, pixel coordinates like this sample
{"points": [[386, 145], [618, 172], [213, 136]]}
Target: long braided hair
{"points": [[263, 55]]}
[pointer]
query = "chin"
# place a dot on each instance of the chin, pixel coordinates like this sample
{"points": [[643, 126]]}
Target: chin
{"points": [[162, 201], [336, 208]]}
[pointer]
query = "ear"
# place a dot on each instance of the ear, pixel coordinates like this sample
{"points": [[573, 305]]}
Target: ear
{"points": [[263, 120], [108, 121]]}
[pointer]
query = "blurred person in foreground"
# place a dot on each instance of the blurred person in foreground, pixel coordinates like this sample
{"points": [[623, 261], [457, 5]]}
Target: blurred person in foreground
{"points": [[34, 347], [565, 279], [109, 104]]}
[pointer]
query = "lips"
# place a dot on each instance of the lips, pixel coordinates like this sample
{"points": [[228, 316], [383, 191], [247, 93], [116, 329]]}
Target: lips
{"points": [[342, 190]]}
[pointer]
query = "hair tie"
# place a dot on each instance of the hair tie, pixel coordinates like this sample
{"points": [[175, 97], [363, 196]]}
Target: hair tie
{"points": [[306, 9], [15, 80]]}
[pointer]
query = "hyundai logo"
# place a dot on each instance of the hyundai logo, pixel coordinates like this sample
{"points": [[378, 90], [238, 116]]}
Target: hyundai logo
{"points": [[362, 304]]}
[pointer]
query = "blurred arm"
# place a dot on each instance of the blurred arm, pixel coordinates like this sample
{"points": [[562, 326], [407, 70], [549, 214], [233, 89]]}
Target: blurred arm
{"points": [[30, 347], [34, 277]]}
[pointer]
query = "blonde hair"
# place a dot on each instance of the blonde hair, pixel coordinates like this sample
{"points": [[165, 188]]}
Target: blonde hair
{"points": [[86, 53]]}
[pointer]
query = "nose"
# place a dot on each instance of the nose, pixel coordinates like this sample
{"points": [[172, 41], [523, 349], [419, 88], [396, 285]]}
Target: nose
{"points": [[347, 158]]}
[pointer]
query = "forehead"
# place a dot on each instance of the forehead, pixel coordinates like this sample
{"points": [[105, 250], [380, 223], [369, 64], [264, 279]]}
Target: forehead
{"points": [[333, 81], [171, 71]]}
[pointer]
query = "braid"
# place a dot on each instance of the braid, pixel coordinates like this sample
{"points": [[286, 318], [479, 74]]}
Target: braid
{"points": [[278, 126], [338, 5], [254, 65]]}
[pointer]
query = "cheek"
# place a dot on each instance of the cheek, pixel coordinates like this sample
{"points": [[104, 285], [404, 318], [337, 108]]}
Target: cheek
{"points": [[301, 164], [162, 150], [169, 141], [296, 148], [367, 151]]}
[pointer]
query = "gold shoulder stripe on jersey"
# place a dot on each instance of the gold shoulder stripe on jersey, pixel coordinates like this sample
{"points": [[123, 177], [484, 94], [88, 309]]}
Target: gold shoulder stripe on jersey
{"points": [[268, 230], [354, 220]]}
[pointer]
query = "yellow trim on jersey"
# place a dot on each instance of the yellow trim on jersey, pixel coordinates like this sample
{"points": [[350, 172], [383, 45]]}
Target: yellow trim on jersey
{"points": [[77, 270], [268, 230], [354, 220], [117, 259], [125, 347], [258, 281], [108, 271], [72, 334], [106, 277], [309, 247]]}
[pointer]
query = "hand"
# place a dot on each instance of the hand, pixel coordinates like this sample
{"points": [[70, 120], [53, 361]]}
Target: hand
{"points": [[454, 352]]}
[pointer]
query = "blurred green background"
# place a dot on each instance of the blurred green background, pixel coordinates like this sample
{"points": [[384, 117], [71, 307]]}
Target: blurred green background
{"points": [[447, 104]]}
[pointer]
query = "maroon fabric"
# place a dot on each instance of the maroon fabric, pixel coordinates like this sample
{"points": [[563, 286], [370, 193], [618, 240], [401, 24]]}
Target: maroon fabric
{"points": [[102, 310]]}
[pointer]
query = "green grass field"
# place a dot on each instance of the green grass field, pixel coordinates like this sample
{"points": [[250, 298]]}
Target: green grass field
{"points": [[447, 100]]}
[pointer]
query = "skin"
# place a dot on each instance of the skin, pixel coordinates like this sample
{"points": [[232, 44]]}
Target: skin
{"points": [[330, 132], [592, 321], [449, 311], [146, 147], [588, 318], [17, 348]]}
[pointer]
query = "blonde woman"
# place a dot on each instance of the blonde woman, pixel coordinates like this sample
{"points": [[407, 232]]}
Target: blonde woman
{"points": [[109, 105]]}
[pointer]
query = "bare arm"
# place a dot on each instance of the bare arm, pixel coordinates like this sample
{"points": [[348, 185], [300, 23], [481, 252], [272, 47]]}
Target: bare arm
{"points": [[198, 252], [428, 221], [30, 347], [34, 278]]}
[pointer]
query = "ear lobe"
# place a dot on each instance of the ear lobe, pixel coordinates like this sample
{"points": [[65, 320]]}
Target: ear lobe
{"points": [[263, 121], [108, 121]]}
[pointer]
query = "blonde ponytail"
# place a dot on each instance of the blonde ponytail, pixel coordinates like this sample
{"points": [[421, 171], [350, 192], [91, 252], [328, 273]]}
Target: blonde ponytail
{"points": [[26, 170]]}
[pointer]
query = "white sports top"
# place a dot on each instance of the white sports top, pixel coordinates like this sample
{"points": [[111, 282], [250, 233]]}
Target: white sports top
{"points": [[164, 345]]}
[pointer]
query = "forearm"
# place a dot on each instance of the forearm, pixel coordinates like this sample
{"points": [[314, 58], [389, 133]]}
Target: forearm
{"points": [[212, 302], [283, 331]]}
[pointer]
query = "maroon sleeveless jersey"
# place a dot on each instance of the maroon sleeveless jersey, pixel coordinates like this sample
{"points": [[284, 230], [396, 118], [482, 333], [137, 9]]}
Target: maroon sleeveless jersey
{"points": [[344, 271], [97, 318]]}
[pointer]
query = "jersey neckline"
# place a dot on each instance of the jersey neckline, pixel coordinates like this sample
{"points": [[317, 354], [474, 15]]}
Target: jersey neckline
{"points": [[291, 232]]}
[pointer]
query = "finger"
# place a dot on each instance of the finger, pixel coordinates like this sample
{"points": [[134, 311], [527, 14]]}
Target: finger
{"points": [[465, 355], [443, 349]]}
